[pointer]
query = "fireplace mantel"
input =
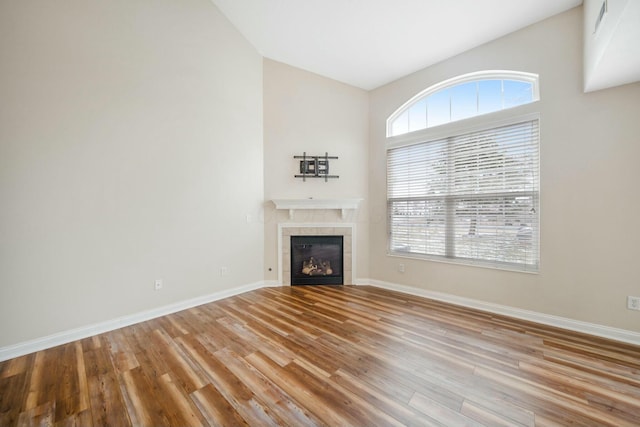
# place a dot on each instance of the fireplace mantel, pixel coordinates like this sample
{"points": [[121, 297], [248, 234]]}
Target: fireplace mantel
{"points": [[296, 204]]}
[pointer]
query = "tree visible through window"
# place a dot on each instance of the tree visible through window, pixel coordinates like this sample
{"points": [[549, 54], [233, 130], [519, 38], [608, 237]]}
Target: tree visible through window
{"points": [[471, 196]]}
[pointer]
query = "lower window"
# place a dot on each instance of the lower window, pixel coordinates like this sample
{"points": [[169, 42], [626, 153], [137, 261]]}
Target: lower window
{"points": [[471, 198]]}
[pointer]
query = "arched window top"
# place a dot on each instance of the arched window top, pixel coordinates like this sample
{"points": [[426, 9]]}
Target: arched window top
{"points": [[462, 97]]}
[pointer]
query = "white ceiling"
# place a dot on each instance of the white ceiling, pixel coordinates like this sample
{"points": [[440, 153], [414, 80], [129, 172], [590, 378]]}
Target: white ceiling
{"points": [[368, 43]]}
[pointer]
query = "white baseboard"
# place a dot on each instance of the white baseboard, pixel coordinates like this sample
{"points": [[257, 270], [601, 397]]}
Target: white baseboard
{"points": [[27, 347], [272, 284], [622, 335]]}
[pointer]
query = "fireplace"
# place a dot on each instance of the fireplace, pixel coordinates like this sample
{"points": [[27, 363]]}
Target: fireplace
{"points": [[317, 260]]}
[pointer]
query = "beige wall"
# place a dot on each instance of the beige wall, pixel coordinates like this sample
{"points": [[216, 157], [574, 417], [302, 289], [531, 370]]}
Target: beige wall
{"points": [[589, 190], [130, 150], [307, 112]]}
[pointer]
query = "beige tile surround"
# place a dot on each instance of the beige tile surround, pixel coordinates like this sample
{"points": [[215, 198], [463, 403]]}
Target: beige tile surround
{"points": [[287, 230]]}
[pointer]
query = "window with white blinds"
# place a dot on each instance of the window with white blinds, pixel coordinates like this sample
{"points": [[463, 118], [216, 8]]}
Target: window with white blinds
{"points": [[472, 198]]}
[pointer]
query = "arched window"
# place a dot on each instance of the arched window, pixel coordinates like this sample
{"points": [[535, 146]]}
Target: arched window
{"points": [[467, 192], [463, 97]]}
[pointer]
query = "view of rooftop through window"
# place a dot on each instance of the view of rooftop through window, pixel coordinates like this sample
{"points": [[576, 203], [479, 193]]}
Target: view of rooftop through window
{"points": [[459, 101]]}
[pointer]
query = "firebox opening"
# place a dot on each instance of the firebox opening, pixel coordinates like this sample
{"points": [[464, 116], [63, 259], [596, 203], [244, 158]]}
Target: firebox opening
{"points": [[317, 260]]}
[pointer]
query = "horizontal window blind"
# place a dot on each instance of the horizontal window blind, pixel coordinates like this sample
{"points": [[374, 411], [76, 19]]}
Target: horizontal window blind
{"points": [[472, 197]]}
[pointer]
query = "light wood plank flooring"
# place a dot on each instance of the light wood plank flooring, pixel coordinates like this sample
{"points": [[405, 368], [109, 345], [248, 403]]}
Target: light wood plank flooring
{"points": [[326, 355]]}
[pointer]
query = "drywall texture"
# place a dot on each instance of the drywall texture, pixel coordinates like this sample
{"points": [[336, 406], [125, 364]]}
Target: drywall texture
{"points": [[589, 177], [130, 150], [307, 112]]}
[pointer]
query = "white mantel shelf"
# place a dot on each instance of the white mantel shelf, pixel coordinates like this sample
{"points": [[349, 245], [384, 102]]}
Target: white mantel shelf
{"points": [[297, 204]]}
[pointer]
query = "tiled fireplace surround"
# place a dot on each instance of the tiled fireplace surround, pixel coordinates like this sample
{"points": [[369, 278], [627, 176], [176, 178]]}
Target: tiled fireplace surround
{"points": [[286, 230]]}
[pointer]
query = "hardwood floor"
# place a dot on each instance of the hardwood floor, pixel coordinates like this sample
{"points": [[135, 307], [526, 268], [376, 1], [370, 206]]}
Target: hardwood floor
{"points": [[323, 355]]}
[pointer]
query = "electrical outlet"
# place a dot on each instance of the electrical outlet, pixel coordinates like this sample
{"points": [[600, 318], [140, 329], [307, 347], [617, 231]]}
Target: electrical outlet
{"points": [[224, 271], [401, 268], [633, 303], [158, 284]]}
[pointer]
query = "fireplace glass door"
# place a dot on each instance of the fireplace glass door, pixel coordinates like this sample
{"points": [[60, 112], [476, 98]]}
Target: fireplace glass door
{"points": [[317, 260]]}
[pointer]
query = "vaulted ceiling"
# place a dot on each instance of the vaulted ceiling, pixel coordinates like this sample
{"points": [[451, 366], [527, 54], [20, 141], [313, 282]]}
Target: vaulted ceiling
{"points": [[368, 43]]}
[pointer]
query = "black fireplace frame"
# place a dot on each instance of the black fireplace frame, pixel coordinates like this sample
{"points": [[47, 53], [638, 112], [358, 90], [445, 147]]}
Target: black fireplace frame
{"points": [[318, 280]]}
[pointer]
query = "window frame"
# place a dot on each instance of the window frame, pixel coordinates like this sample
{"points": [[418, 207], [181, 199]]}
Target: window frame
{"points": [[522, 76], [518, 114]]}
